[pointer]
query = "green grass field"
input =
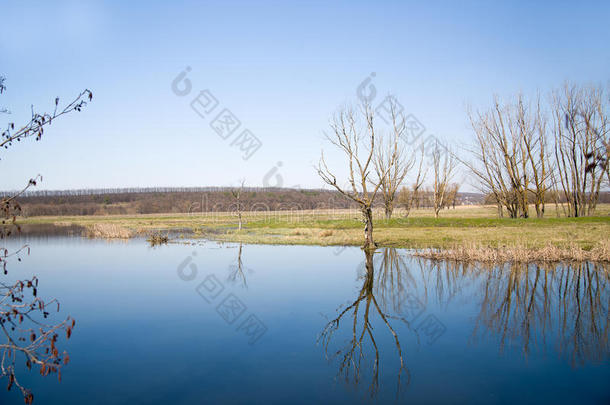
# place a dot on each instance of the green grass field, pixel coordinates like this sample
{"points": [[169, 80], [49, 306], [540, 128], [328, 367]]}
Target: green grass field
{"points": [[466, 225]]}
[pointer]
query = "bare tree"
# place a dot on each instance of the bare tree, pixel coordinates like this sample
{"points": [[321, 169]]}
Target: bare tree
{"points": [[443, 166], [392, 162], [358, 145], [236, 193], [488, 167], [537, 157], [23, 315], [511, 160], [581, 127], [409, 196], [452, 194]]}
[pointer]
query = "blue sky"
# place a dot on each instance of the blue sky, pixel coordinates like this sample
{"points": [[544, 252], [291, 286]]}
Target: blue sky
{"points": [[282, 68]]}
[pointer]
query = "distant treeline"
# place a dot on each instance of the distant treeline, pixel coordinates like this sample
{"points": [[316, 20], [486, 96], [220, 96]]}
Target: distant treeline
{"points": [[183, 200], [131, 190]]}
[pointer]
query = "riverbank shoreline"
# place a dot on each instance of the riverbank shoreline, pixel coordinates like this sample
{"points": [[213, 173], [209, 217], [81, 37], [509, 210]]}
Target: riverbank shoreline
{"points": [[459, 234]]}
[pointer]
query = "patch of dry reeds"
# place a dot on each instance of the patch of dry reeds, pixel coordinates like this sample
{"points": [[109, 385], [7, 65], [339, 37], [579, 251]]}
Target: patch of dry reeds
{"points": [[301, 232], [108, 231], [520, 254]]}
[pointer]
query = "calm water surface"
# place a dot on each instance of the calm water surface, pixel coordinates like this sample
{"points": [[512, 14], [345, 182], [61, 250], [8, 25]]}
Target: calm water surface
{"points": [[211, 323]]}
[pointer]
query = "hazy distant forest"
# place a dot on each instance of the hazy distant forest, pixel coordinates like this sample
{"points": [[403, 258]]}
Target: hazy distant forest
{"points": [[194, 200], [213, 199]]}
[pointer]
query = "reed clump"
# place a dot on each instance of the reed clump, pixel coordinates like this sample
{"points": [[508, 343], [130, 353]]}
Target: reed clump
{"points": [[108, 231], [520, 254], [158, 239]]}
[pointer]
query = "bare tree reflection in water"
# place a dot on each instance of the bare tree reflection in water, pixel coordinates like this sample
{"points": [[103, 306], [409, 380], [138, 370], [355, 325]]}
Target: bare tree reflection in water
{"points": [[563, 308], [237, 274], [395, 286], [538, 308], [388, 286]]}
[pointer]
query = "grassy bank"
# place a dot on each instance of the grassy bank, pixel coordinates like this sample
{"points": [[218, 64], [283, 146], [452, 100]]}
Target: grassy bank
{"points": [[463, 226]]}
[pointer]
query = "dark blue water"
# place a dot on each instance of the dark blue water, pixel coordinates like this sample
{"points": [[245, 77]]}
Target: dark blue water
{"points": [[291, 324]]}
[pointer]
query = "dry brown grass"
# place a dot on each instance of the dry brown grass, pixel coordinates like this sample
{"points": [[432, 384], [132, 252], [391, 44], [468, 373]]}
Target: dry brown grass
{"points": [[325, 233], [301, 232], [108, 231], [519, 254]]}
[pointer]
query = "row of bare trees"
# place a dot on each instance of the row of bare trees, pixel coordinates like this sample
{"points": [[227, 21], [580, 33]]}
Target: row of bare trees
{"points": [[525, 151], [379, 161], [529, 150], [414, 197]]}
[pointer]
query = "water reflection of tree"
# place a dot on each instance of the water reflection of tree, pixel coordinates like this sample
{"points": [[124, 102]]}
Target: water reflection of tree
{"points": [[382, 295], [394, 284], [236, 272], [537, 307]]}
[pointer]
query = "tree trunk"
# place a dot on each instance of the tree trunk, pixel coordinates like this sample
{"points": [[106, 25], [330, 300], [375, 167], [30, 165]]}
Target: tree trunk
{"points": [[500, 211], [524, 205], [388, 211], [369, 243], [370, 269]]}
